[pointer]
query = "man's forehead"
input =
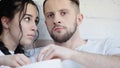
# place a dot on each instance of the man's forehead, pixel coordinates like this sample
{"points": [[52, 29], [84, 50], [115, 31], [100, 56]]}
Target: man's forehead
{"points": [[57, 1], [52, 4]]}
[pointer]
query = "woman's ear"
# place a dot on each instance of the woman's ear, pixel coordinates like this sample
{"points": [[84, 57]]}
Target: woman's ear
{"points": [[4, 21], [79, 19]]}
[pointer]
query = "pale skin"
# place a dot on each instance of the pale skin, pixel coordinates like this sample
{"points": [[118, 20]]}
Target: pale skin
{"points": [[15, 60], [11, 38], [61, 12]]}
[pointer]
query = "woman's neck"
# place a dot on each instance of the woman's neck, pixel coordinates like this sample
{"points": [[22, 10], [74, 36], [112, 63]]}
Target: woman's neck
{"points": [[8, 42]]}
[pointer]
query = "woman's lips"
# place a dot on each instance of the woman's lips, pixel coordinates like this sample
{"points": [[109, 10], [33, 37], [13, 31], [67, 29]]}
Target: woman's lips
{"points": [[31, 36]]}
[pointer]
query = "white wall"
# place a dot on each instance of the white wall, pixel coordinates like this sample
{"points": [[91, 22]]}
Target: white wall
{"points": [[101, 19], [41, 26]]}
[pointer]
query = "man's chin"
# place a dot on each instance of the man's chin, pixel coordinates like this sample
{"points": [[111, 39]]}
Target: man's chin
{"points": [[59, 39]]}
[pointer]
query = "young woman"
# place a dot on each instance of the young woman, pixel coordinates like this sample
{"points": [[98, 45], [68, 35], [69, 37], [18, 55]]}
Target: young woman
{"points": [[18, 19]]}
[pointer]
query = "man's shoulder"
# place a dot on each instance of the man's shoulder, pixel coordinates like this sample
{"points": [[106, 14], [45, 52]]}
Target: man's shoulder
{"points": [[110, 39]]}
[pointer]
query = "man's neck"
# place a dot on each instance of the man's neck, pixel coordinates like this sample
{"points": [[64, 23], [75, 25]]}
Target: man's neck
{"points": [[73, 42]]}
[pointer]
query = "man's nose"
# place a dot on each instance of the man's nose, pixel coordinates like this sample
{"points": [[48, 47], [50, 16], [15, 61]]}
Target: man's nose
{"points": [[57, 19]]}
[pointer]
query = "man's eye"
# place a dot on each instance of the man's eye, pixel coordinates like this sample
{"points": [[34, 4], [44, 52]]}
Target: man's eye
{"points": [[50, 15], [63, 13], [37, 21]]}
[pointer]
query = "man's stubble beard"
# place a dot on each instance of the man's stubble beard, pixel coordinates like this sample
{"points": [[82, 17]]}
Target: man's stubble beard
{"points": [[66, 36]]}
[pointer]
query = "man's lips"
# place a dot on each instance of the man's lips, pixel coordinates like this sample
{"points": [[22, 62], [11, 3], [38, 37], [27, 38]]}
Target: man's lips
{"points": [[58, 28]]}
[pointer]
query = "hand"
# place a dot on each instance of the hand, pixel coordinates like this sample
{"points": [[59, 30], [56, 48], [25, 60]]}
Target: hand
{"points": [[14, 60], [55, 51]]}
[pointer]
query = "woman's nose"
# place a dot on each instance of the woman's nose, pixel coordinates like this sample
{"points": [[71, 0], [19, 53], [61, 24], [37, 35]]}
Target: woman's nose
{"points": [[34, 27]]}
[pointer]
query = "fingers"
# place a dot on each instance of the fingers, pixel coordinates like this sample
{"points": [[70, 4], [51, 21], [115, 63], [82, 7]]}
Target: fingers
{"points": [[15, 60], [9, 60], [44, 53], [21, 59], [49, 54], [55, 51], [41, 54], [25, 59]]}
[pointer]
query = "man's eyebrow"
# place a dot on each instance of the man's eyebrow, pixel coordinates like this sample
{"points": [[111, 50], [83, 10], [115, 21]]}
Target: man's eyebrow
{"points": [[48, 12], [63, 9]]}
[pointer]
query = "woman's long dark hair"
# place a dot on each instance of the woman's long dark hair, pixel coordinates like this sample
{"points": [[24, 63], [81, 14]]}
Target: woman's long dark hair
{"points": [[9, 8]]}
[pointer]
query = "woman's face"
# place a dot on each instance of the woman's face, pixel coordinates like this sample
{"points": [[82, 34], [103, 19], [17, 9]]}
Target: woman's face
{"points": [[28, 24]]}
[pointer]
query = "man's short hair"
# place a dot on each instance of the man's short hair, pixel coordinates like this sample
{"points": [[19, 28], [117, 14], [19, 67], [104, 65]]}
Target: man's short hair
{"points": [[76, 2]]}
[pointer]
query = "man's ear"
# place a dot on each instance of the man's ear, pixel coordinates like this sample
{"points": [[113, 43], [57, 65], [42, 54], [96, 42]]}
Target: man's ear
{"points": [[79, 18], [5, 22]]}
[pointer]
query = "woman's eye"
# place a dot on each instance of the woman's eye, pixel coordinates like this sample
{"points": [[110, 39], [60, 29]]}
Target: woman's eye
{"points": [[27, 19]]}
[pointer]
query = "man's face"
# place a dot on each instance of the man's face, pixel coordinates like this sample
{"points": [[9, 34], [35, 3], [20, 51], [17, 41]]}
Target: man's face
{"points": [[61, 19]]}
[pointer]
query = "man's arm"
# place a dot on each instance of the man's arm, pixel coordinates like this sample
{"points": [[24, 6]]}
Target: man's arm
{"points": [[90, 60]]}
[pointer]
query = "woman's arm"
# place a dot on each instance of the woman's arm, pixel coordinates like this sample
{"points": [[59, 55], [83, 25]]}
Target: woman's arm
{"points": [[14, 60]]}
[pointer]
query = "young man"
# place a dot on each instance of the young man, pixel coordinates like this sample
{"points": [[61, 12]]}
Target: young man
{"points": [[62, 20]]}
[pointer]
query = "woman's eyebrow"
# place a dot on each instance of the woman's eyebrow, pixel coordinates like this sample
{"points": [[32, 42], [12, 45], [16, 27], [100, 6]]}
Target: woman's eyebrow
{"points": [[28, 15]]}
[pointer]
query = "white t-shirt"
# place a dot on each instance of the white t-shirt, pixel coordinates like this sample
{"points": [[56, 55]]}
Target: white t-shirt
{"points": [[107, 46], [2, 54]]}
